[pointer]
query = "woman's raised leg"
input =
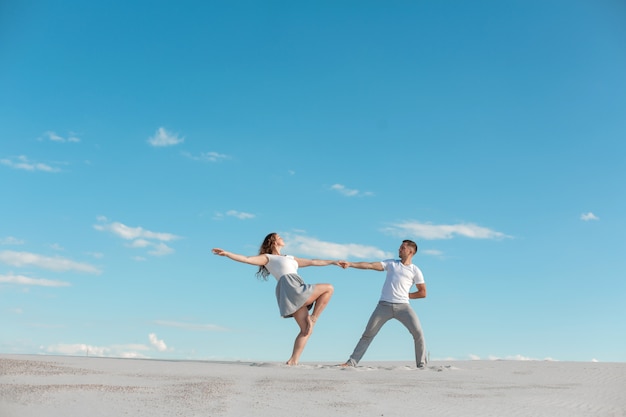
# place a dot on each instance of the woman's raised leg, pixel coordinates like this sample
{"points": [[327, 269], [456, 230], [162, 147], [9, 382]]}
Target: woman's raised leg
{"points": [[321, 296]]}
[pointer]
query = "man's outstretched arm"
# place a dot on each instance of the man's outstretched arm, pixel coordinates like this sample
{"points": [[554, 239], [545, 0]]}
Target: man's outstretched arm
{"points": [[376, 266]]}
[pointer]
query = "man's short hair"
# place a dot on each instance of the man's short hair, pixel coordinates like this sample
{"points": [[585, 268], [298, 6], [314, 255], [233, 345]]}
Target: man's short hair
{"points": [[412, 244]]}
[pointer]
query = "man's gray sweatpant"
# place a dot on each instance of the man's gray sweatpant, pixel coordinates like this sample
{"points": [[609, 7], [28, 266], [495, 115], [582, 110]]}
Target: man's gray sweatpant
{"points": [[382, 314]]}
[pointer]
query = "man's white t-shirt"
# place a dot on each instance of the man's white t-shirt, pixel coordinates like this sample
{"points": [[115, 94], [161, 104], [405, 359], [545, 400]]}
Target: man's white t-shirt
{"points": [[400, 279]]}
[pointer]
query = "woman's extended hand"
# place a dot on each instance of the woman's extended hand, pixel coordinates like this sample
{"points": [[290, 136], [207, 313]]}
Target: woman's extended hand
{"points": [[218, 251]]}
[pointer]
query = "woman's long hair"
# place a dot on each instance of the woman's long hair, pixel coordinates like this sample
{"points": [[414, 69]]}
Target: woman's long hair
{"points": [[268, 246]]}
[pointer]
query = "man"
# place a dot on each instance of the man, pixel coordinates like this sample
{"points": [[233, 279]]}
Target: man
{"points": [[394, 301]]}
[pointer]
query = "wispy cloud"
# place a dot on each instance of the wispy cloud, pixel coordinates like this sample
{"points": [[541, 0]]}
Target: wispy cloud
{"points": [[508, 358], [56, 246], [588, 217], [341, 189], [233, 213], [432, 252], [313, 247], [140, 243], [52, 136], [240, 215], [160, 249], [131, 350], [191, 326], [206, 156], [130, 233], [23, 163], [82, 349], [57, 263], [164, 138], [139, 237], [24, 280], [431, 231], [10, 240]]}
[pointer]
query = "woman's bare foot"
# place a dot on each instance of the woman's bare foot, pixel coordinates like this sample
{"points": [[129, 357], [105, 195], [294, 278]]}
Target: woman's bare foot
{"points": [[291, 363]]}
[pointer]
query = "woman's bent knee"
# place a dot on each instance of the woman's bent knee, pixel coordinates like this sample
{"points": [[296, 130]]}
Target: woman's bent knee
{"points": [[325, 288]]}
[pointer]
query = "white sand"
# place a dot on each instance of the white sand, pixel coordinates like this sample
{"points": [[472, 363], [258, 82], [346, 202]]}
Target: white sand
{"points": [[42, 386]]}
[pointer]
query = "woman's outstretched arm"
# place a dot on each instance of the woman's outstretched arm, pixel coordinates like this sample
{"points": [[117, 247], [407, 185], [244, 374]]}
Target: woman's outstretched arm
{"points": [[257, 260], [302, 262]]}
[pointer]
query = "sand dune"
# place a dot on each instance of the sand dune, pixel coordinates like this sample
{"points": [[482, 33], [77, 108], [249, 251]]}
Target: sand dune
{"points": [[42, 386]]}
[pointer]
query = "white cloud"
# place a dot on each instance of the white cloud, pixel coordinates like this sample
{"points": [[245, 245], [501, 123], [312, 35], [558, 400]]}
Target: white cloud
{"points": [[140, 237], [82, 349], [588, 216], [432, 252], [164, 138], [345, 191], [158, 344], [207, 156], [131, 233], [20, 259], [349, 192], [517, 357], [240, 215], [24, 280], [430, 231], [23, 163], [160, 249], [191, 326], [77, 349], [140, 243], [317, 248], [510, 358], [56, 138], [10, 240]]}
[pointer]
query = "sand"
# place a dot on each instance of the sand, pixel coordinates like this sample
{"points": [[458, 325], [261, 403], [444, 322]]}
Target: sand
{"points": [[42, 386]]}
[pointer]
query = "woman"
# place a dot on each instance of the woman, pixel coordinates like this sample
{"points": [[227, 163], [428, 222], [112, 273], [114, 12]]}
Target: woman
{"points": [[295, 298]]}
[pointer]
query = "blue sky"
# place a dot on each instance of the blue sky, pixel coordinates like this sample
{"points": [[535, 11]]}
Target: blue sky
{"points": [[136, 136]]}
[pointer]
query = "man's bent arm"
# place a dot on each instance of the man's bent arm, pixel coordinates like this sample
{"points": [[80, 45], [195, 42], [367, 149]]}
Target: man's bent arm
{"points": [[420, 293]]}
